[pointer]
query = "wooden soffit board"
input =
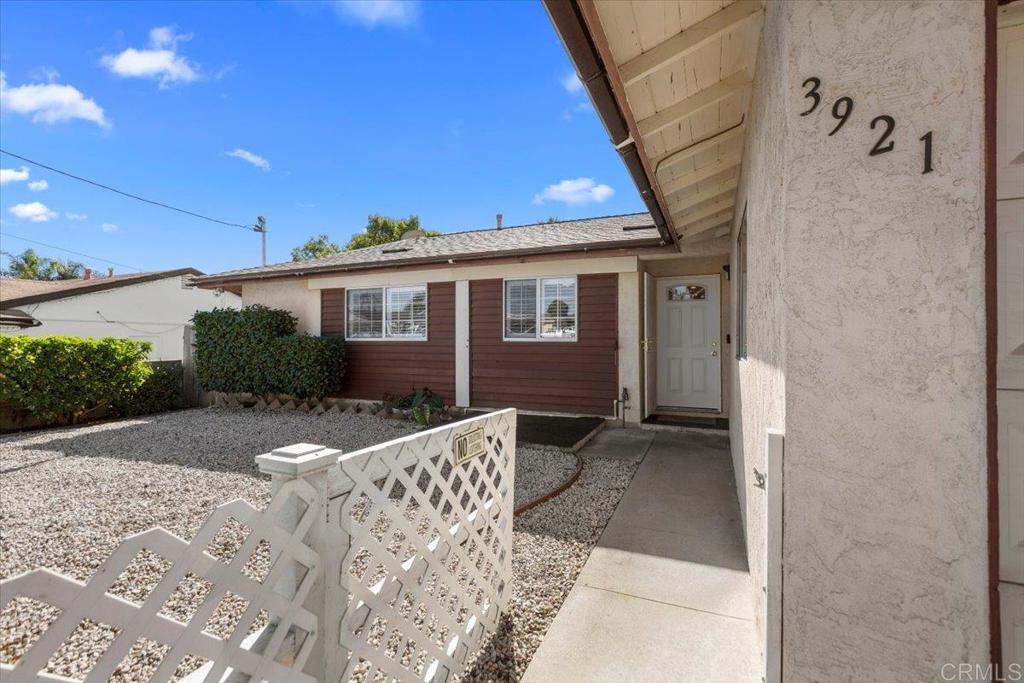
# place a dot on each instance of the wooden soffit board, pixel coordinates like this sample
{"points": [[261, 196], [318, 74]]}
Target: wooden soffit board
{"points": [[685, 69]]}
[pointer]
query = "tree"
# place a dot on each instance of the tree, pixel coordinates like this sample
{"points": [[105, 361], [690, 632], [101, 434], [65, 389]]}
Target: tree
{"points": [[65, 270], [28, 265], [383, 230], [315, 247]]}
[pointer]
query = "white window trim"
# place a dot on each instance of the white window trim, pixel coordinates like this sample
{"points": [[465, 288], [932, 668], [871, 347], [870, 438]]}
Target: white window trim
{"points": [[540, 297], [384, 320]]}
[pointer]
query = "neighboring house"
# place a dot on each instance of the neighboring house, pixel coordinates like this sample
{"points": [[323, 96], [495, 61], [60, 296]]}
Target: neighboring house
{"points": [[833, 261], [14, 319], [153, 307]]}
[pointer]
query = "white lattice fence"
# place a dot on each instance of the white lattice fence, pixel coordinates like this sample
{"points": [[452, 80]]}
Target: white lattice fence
{"points": [[285, 643], [391, 563], [429, 549]]}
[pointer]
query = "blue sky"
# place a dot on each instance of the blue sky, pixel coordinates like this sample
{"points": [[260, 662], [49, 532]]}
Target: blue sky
{"points": [[312, 114]]}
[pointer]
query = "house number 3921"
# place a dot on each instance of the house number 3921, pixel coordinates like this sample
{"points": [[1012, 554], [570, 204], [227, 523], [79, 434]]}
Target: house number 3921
{"points": [[883, 124]]}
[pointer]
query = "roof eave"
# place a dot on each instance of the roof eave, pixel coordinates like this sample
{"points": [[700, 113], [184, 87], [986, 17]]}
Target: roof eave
{"points": [[100, 286], [579, 42], [215, 281]]}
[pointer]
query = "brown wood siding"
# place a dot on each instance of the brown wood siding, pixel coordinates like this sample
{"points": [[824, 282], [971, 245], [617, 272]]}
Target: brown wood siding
{"points": [[373, 368], [570, 377]]}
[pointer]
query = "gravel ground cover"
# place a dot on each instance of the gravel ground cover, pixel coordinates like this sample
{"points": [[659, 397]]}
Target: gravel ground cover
{"points": [[550, 546], [540, 469], [68, 496]]}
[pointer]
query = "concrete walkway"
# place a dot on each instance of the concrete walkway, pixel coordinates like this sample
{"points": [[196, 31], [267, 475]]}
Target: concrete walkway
{"points": [[665, 595]]}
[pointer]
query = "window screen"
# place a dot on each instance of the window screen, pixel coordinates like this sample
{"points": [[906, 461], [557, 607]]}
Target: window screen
{"points": [[386, 313], [558, 307], [521, 309], [407, 312], [540, 308], [364, 312]]}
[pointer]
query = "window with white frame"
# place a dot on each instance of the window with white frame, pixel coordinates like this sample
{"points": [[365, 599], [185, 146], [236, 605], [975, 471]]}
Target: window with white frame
{"points": [[386, 313], [540, 308]]}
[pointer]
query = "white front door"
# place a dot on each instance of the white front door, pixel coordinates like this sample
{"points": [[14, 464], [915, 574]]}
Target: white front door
{"points": [[689, 343]]}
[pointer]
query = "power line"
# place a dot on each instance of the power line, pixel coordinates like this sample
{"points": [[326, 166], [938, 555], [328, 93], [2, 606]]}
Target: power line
{"points": [[76, 253], [129, 194]]}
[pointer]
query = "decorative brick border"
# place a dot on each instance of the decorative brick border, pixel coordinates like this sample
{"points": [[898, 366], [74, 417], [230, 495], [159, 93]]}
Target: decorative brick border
{"points": [[321, 406]]}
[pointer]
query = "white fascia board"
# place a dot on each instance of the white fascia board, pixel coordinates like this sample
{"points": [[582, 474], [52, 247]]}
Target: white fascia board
{"points": [[578, 266]]}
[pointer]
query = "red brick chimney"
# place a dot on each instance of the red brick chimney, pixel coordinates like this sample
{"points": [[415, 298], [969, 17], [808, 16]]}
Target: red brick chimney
{"points": [[88, 274]]}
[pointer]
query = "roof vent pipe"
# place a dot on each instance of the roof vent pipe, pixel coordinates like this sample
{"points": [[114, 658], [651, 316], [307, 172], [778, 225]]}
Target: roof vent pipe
{"points": [[498, 220]]}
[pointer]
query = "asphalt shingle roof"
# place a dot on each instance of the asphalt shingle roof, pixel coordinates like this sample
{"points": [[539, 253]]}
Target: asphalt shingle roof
{"points": [[628, 230], [18, 292]]}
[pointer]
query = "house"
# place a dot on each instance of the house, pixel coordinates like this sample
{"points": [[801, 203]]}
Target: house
{"points": [[832, 260], [14, 319], [154, 307], [542, 317]]}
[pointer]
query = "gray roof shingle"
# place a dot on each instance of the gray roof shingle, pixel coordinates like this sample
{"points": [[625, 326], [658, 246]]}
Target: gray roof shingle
{"points": [[628, 230]]}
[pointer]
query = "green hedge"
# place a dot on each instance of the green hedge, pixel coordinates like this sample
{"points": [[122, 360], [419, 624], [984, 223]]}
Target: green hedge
{"points": [[255, 350], [59, 378], [163, 390]]}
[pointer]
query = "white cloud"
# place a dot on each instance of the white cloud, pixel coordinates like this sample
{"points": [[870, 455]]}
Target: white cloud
{"points": [[570, 114], [110, 227], [159, 61], [373, 13], [35, 212], [45, 73], [165, 37], [572, 83], [38, 185], [575, 192], [74, 216], [13, 175], [50, 103], [254, 159]]}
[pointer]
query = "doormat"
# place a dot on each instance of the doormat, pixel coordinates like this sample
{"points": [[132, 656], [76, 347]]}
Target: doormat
{"points": [[689, 421], [552, 430]]}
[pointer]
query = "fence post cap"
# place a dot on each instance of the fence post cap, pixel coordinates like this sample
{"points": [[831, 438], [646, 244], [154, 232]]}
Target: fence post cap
{"points": [[298, 459]]}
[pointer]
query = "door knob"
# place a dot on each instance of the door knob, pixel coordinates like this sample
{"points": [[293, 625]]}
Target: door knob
{"points": [[714, 353]]}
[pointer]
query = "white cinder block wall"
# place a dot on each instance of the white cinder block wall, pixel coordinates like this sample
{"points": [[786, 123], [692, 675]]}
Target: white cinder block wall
{"points": [[867, 337]]}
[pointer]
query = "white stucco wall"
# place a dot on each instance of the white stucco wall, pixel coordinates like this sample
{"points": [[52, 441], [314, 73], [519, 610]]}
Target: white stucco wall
{"points": [[155, 311], [758, 383], [629, 355], [290, 294], [867, 318]]}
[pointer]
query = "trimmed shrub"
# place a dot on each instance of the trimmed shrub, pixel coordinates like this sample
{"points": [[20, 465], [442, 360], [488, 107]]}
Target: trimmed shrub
{"points": [[255, 350], [232, 347], [307, 367], [60, 378], [163, 390]]}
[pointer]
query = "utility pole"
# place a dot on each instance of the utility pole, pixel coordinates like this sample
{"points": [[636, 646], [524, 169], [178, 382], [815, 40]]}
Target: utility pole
{"points": [[261, 228]]}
